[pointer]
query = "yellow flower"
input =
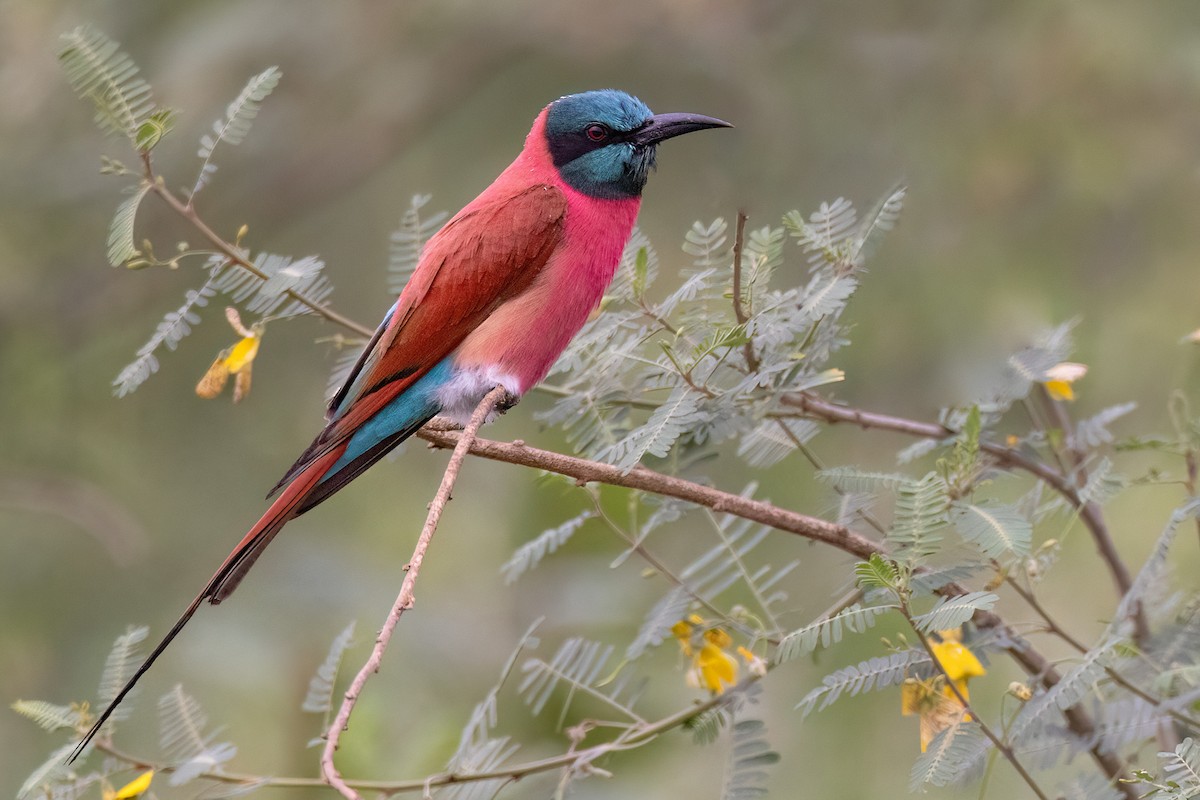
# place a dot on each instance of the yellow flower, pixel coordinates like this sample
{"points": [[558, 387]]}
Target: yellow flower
{"points": [[1058, 379], [934, 709], [959, 663], [236, 361], [713, 668], [132, 789], [935, 703]]}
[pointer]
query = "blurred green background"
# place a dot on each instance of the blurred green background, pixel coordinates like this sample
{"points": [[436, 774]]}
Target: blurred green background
{"points": [[1051, 150]]}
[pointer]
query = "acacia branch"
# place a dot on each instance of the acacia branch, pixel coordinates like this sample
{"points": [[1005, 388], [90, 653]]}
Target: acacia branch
{"points": [[1089, 513], [404, 601], [1004, 749], [739, 308], [234, 254], [631, 737], [585, 471]]}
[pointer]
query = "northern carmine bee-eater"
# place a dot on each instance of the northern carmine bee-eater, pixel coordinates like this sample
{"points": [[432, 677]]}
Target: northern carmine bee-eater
{"points": [[495, 298]]}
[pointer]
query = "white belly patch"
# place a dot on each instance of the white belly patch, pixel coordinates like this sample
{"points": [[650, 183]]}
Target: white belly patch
{"points": [[461, 394]]}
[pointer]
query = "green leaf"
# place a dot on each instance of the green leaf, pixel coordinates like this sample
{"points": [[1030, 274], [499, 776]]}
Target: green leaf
{"points": [[51, 770], [408, 241], [121, 247], [123, 659], [1183, 767], [48, 715], [530, 554], [950, 753], [668, 422], [825, 632], [749, 753], [921, 508], [952, 612], [875, 673], [641, 272], [997, 530], [877, 573], [319, 699], [98, 71], [155, 127]]}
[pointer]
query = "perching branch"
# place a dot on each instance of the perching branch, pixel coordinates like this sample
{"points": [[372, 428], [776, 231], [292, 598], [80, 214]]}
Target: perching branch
{"points": [[404, 601], [585, 471]]}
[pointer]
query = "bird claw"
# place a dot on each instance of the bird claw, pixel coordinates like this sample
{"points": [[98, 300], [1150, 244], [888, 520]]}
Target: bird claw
{"points": [[507, 402]]}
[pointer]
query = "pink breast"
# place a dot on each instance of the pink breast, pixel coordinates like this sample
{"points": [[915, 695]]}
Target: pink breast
{"points": [[525, 336]]}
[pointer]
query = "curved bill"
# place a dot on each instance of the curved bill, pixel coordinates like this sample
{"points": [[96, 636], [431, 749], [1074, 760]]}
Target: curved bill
{"points": [[667, 126]]}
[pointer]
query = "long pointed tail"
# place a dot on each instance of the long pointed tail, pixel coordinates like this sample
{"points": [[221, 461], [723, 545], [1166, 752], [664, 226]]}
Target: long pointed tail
{"points": [[230, 573]]}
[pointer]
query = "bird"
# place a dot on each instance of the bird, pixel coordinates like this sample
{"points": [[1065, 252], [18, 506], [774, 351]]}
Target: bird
{"points": [[496, 296]]}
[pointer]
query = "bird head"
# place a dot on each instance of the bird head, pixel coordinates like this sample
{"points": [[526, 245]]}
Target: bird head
{"points": [[603, 142]]}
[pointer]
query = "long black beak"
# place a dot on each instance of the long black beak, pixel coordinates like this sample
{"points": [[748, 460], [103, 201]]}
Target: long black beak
{"points": [[666, 126]]}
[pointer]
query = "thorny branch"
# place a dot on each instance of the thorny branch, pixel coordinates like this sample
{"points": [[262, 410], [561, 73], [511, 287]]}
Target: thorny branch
{"points": [[404, 601]]}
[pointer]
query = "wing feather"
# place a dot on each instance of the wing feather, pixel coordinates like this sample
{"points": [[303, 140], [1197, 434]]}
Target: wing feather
{"points": [[490, 252]]}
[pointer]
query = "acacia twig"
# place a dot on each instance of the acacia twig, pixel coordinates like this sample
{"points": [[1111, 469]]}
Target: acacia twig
{"points": [[1000, 745], [585, 471], [1089, 513], [234, 254], [405, 599], [739, 308]]}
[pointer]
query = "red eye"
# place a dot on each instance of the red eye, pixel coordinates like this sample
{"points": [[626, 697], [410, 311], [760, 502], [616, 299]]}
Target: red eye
{"points": [[597, 133]]}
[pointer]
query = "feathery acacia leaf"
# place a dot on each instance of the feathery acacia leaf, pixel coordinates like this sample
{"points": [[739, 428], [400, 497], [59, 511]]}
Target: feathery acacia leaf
{"points": [[122, 660], [48, 775], [170, 331], [1153, 567], [1093, 432], [995, 529], [668, 422], [824, 632], [121, 246], [239, 116], [951, 752], [952, 612], [1074, 684], [656, 626], [98, 70], [319, 699], [749, 755], [877, 573], [578, 663], [1182, 767], [408, 241], [875, 673], [1103, 484], [921, 513], [851, 479], [530, 554], [47, 715], [881, 219], [706, 243]]}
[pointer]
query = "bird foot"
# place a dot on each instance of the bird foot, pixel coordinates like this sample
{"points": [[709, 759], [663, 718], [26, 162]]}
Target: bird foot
{"points": [[507, 402]]}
